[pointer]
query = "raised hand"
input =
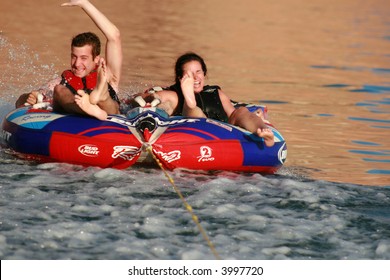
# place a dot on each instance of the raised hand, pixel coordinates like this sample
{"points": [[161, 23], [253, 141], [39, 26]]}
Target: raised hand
{"points": [[74, 3]]}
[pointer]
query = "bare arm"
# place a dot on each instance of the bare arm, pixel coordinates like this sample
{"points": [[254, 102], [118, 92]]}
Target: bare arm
{"points": [[226, 103], [113, 53], [31, 98], [169, 101]]}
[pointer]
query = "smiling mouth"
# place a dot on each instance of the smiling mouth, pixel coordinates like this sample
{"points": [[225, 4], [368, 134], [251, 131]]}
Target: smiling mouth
{"points": [[77, 71]]}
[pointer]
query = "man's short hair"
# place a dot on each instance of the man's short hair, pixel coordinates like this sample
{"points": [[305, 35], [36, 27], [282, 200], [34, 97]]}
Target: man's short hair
{"points": [[88, 38]]}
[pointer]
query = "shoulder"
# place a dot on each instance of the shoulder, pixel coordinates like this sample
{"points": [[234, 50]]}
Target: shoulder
{"points": [[225, 99], [222, 94], [212, 88]]}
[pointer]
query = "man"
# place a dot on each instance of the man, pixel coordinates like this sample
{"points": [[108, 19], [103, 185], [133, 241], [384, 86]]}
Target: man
{"points": [[85, 59]]}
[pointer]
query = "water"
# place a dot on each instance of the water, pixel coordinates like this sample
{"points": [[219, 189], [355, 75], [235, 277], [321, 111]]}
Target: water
{"points": [[59, 211], [327, 94]]}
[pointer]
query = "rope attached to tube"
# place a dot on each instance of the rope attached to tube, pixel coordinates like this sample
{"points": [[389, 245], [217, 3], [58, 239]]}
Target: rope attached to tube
{"points": [[186, 205]]}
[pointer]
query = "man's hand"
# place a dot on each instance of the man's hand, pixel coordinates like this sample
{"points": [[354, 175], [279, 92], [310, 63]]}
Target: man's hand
{"points": [[27, 99]]}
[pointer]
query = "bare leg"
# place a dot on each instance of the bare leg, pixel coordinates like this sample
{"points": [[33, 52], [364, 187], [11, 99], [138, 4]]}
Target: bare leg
{"points": [[64, 101], [267, 135], [251, 122], [195, 112], [264, 131], [187, 86], [259, 113], [100, 95], [101, 90], [82, 100], [110, 106]]}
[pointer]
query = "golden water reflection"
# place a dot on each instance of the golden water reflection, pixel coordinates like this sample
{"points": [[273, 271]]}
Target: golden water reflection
{"points": [[290, 52]]}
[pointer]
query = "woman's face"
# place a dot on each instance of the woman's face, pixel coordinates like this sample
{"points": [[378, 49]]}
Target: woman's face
{"points": [[196, 69]]}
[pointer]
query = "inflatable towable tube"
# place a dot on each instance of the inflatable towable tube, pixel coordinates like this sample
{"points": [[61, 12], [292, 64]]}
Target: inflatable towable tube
{"points": [[121, 141]]}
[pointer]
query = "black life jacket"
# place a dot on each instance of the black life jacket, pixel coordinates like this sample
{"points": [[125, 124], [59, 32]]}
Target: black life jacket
{"points": [[87, 83], [208, 100]]}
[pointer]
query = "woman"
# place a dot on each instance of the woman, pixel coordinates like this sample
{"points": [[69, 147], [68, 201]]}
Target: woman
{"points": [[190, 97]]}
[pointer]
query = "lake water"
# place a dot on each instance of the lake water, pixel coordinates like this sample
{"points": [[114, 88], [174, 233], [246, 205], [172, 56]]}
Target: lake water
{"points": [[321, 67]]}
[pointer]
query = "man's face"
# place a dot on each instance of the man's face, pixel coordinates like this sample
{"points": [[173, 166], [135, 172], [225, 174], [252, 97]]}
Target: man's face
{"points": [[82, 61]]}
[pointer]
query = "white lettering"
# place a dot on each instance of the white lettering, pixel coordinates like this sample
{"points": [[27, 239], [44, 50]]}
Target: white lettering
{"points": [[205, 154], [170, 156], [125, 152], [89, 150], [5, 135], [158, 121]]}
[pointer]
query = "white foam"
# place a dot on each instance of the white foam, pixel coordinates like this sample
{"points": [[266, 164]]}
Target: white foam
{"points": [[383, 249]]}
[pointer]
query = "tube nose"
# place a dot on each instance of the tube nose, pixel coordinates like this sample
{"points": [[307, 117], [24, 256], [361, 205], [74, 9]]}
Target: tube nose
{"points": [[146, 127]]}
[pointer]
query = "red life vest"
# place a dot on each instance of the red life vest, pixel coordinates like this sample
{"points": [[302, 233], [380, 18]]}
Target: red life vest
{"points": [[74, 83], [87, 83]]}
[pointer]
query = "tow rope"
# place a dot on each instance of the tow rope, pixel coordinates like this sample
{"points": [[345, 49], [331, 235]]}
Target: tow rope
{"points": [[186, 205]]}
